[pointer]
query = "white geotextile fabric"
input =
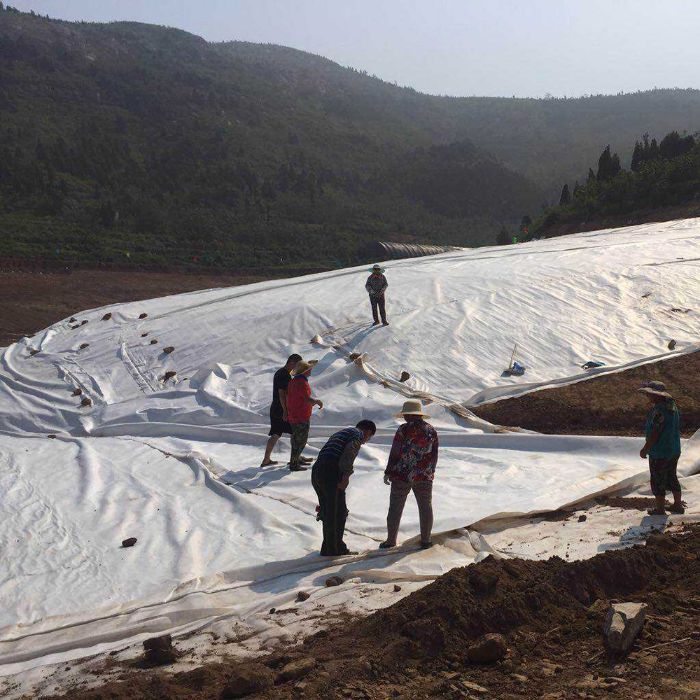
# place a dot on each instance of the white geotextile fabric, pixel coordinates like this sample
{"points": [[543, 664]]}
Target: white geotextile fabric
{"points": [[175, 463]]}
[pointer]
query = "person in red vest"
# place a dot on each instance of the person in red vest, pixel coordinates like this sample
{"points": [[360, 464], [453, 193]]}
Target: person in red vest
{"points": [[300, 404]]}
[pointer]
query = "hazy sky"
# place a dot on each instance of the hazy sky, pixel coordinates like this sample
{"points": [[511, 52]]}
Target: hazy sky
{"points": [[455, 47]]}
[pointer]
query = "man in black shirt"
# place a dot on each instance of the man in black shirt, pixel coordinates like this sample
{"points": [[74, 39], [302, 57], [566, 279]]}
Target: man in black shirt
{"points": [[278, 409]]}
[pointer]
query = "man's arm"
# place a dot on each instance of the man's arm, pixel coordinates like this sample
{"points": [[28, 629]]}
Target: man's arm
{"points": [[283, 400], [658, 422], [346, 462]]}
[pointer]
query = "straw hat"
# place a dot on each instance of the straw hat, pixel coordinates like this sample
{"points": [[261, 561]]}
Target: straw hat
{"points": [[655, 389], [304, 366], [377, 268], [411, 408]]}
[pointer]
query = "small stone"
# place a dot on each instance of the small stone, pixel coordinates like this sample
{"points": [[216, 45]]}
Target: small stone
{"points": [[296, 669], [671, 344], [33, 351], [248, 679], [354, 356], [159, 650], [519, 677], [129, 542], [273, 611], [86, 402], [83, 322], [84, 345], [582, 518], [169, 375], [302, 596], [72, 320], [168, 350], [107, 316], [77, 392], [623, 623], [154, 341], [695, 634], [333, 581], [397, 588], [488, 649], [51, 437], [474, 687], [143, 315], [405, 376], [143, 335], [550, 669]]}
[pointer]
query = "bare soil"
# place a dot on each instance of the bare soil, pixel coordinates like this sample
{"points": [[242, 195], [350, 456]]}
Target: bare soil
{"points": [[547, 611], [31, 301], [604, 405]]}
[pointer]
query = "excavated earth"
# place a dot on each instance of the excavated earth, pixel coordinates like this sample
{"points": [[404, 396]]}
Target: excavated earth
{"points": [[605, 405], [550, 612]]}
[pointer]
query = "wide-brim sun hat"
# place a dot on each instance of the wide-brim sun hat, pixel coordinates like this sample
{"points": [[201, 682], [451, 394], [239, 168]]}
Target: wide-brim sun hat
{"points": [[655, 389], [377, 268], [411, 408], [304, 366]]}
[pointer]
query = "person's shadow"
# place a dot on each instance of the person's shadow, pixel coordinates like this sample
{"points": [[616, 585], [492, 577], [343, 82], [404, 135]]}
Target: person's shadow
{"points": [[637, 534]]}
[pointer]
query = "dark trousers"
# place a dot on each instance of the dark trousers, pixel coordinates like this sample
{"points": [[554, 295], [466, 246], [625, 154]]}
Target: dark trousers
{"points": [[325, 477], [664, 476], [300, 436], [378, 303]]}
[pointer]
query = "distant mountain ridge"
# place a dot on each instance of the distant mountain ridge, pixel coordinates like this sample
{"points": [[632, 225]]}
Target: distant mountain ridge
{"points": [[137, 144]]}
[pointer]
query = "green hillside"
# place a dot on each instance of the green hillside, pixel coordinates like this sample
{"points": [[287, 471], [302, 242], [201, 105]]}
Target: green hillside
{"points": [[135, 144]]}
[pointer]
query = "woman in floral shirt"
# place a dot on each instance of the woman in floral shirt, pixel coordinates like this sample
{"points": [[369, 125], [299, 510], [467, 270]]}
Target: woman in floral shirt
{"points": [[411, 467]]}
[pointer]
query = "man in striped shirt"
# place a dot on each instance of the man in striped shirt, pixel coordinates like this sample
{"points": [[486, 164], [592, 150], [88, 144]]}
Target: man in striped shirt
{"points": [[330, 476]]}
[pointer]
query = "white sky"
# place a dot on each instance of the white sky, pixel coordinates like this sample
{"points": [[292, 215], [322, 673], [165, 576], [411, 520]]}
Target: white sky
{"points": [[455, 47]]}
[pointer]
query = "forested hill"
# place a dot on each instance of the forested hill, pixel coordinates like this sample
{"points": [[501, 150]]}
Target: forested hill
{"points": [[134, 144]]}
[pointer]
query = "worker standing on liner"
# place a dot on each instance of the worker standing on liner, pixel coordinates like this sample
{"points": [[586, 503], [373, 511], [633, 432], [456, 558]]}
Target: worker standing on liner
{"points": [[376, 287]]}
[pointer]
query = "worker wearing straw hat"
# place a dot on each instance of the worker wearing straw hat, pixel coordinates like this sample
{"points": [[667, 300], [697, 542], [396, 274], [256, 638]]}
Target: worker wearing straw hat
{"points": [[663, 447], [376, 286], [300, 404], [411, 467]]}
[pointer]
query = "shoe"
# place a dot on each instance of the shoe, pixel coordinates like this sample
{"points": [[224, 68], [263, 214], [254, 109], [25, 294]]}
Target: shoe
{"points": [[348, 553], [678, 510], [269, 463], [656, 511], [426, 545], [297, 468], [385, 323], [387, 545], [376, 323], [306, 460]]}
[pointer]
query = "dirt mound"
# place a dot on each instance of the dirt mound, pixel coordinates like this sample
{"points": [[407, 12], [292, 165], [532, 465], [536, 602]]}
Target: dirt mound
{"points": [[443, 618], [607, 405], [546, 610]]}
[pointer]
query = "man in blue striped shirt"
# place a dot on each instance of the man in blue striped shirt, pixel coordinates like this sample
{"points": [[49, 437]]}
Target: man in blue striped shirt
{"points": [[330, 476]]}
